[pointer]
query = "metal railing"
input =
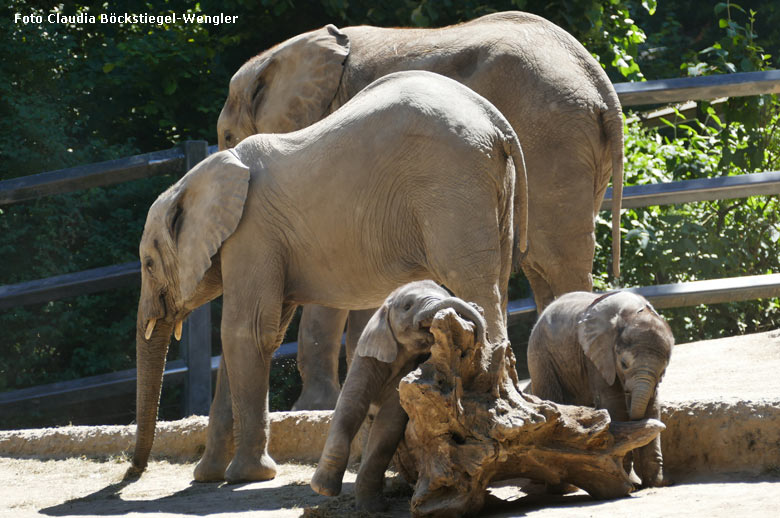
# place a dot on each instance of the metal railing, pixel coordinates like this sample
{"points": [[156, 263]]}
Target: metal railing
{"points": [[197, 365]]}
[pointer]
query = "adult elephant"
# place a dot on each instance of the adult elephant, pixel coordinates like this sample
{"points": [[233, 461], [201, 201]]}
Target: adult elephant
{"points": [[244, 224], [557, 98]]}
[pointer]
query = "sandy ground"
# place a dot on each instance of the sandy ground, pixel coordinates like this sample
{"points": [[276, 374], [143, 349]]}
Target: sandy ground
{"points": [[83, 487]]}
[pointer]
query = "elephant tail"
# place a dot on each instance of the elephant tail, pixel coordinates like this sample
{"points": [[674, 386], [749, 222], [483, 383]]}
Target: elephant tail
{"points": [[612, 120], [520, 202]]}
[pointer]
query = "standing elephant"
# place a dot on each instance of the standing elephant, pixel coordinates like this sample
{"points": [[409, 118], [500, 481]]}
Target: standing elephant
{"points": [[394, 342], [556, 96], [415, 178], [608, 351]]}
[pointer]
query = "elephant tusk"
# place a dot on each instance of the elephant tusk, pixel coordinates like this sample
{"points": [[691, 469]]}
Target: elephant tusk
{"points": [[177, 329], [150, 328]]}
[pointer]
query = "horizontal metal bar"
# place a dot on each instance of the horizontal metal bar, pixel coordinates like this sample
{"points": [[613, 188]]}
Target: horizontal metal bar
{"points": [[70, 285], [715, 291], [517, 308], [697, 88], [91, 175], [694, 293], [85, 389], [703, 189], [111, 384]]}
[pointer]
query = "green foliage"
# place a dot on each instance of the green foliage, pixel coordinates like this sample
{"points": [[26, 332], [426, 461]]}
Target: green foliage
{"points": [[706, 240], [695, 241]]}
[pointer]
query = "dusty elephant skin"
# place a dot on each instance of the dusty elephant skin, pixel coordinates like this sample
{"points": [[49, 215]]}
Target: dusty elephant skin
{"points": [[393, 343], [608, 351], [470, 425], [244, 224], [556, 96]]}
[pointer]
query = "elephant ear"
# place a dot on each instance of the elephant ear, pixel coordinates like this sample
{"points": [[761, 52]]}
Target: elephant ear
{"points": [[600, 325], [377, 340], [208, 204], [297, 83]]}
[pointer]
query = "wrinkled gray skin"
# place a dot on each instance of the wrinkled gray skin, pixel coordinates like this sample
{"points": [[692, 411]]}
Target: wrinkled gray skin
{"points": [[245, 223], [394, 342], [558, 99], [609, 354]]}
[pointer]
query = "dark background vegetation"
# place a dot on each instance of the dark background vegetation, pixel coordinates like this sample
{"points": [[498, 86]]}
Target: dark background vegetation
{"points": [[81, 93]]}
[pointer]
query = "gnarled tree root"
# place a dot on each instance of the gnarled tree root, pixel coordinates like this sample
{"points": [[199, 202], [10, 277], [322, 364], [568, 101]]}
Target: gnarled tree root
{"points": [[470, 425]]}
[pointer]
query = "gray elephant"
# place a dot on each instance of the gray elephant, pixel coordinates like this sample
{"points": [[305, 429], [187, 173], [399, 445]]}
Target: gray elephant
{"points": [[394, 342], [246, 224], [609, 351], [557, 97]]}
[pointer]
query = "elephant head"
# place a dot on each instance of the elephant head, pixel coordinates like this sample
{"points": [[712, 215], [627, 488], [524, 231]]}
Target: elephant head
{"points": [[623, 336], [401, 322], [301, 75], [180, 271]]}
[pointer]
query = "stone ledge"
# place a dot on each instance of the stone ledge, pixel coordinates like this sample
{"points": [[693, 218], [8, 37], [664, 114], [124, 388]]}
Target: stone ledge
{"points": [[295, 437]]}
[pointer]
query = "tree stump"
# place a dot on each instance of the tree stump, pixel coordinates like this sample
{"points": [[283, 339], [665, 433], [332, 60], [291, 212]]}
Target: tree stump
{"points": [[470, 425]]}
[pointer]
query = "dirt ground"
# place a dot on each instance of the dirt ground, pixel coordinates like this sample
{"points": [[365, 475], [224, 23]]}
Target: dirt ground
{"points": [[84, 487]]}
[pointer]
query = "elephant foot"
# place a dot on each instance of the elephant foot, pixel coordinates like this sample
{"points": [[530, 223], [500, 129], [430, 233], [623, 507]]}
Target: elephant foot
{"points": [[243, 469], [634, 478], [656, 479], [211, 469], [327, 482], [322, 397]]}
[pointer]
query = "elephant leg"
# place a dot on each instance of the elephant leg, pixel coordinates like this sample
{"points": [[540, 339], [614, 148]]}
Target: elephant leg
{"points": [[319, 344], [569, 186], [386, 433], [355, 324], [543, 294], [544, 378], [613, 401], [254, 319], [366, 378], [474, 263], [648, 458], [220, 445]]}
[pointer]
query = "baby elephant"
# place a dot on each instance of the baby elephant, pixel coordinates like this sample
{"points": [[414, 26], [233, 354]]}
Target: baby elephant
{"points": [[609, 351], [394, 342]]}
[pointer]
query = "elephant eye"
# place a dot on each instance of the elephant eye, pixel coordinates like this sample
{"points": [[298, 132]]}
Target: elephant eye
{"points": [[407, 306], [228, 137], [148, 264], [623, 363]]}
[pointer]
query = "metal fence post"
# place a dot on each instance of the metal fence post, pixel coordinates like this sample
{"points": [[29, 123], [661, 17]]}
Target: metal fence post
{"points": [[196, 334]]}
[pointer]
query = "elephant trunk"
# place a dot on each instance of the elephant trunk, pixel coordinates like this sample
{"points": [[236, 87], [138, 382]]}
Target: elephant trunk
{"points": [[150, 361], [643, 390], [464, 308]]}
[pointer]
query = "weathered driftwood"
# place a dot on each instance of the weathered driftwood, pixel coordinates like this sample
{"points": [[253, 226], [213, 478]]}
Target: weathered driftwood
{"points": [[470, 425]]}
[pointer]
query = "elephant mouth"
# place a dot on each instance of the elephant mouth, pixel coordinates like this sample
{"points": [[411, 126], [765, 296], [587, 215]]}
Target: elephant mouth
{"points": [[425, 326], [151, 322]]}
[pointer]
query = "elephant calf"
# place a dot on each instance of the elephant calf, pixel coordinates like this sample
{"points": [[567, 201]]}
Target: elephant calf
{"points": [[394, 342], [609, 351]]}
